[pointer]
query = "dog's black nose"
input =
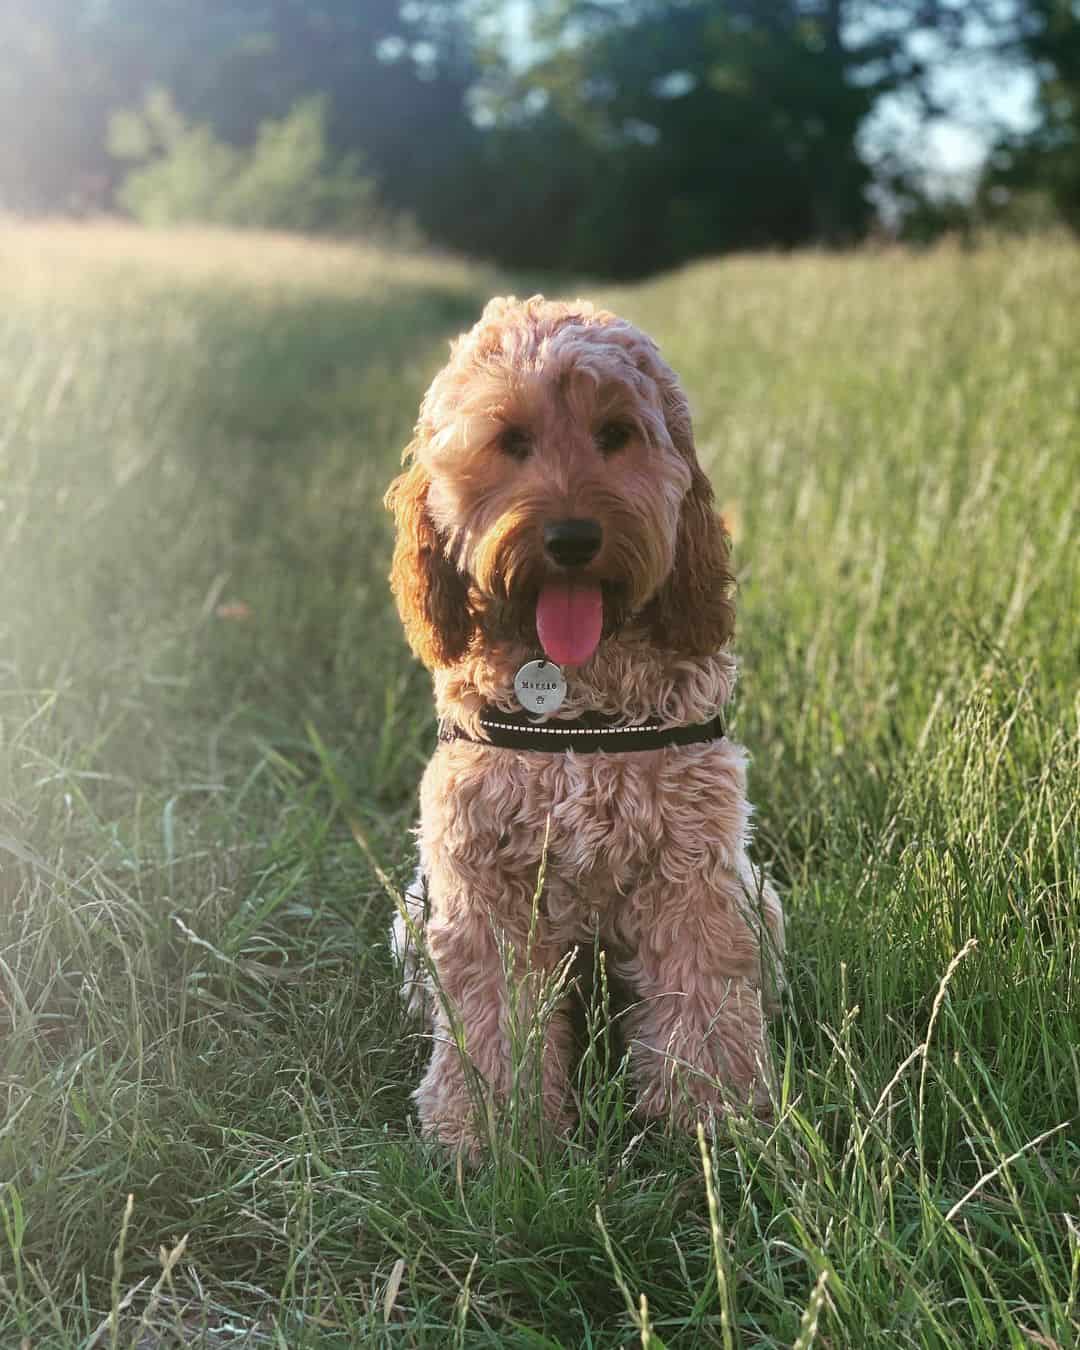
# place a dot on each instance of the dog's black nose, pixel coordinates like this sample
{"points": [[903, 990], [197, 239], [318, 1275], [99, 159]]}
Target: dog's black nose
{"points": [[572, 543]]}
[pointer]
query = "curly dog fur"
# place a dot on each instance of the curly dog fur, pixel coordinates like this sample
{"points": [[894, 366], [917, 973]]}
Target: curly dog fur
{"points": [[547, 411]]}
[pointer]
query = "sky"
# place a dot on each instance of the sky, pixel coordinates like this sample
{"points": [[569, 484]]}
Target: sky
{"points": [[983, 96]]}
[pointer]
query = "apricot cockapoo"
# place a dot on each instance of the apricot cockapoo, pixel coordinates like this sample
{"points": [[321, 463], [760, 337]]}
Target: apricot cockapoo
{"points": [[561, 570]]}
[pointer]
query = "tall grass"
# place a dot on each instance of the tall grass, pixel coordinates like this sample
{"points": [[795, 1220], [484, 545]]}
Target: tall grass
{"points": [[206, 701]]}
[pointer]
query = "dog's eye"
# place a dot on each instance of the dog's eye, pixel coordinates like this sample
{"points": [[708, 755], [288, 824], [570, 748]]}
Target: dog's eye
{"points": [[612, 436], [515, 442]]}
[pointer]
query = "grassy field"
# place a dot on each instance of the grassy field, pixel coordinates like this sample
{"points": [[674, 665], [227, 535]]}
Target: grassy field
{"points": [[203, 682]]}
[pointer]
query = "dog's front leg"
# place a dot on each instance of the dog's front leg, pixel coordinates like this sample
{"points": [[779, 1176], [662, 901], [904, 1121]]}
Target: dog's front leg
{"points": [[704, 975], [498, 1013]]}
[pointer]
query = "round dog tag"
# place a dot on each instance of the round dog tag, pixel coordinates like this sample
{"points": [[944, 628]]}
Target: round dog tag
{"points": [[540, 686]]}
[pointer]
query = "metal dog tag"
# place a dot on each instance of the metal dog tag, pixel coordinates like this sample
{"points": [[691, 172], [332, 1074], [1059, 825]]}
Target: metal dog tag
{"points": [[540, 686]]}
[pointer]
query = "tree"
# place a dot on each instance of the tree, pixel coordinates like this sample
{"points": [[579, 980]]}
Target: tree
{"points": [[1047, 160], [613, 137], [288, 180], [394, 85], [677, 127]]}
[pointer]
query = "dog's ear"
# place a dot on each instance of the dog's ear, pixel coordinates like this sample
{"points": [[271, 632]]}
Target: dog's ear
{"points": [[694, 611], [431, 594]]}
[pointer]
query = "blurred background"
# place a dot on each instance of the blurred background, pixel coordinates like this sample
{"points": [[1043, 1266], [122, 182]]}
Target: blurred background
{"points": [[610, 137]]}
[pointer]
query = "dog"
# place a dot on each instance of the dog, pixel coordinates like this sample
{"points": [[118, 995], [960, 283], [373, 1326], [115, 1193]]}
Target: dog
{"points": [[561, 570]]}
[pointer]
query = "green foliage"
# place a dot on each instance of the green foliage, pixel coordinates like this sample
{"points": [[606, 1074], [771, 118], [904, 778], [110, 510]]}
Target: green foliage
{"points": [[186, 174], [288, 180], [291, 180], [206, 699], [610, 139], [660, 131], [1042, 169]]}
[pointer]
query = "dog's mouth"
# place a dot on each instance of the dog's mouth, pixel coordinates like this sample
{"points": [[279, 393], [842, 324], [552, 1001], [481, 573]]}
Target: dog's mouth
{"points": [[570, 619], [567, 616], [516, 593]]}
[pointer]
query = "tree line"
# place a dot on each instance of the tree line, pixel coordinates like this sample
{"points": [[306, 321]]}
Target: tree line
{"points": [[615, 137]]}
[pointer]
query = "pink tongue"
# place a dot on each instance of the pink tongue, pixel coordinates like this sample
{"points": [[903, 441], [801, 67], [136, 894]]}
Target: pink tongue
{"points": [[569, 618]]}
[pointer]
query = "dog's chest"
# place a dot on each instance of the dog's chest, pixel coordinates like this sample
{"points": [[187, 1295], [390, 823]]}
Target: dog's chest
{"points": [[604, 819]]}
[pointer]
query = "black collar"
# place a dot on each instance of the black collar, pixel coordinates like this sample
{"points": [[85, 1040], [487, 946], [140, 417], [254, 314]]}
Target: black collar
{"points": [[590, 731]]}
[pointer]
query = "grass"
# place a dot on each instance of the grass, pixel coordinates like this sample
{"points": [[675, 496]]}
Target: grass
{"points": [[204, 698]]}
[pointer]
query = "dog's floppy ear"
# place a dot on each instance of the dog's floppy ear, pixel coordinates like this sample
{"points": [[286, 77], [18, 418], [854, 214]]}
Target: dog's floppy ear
{"points": [[694, 611], [430, 592]]}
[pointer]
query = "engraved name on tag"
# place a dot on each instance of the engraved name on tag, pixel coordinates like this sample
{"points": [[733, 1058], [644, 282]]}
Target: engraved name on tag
{"points": [[540, 686]]}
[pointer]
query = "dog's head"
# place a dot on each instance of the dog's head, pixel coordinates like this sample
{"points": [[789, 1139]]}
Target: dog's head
{"points": [[552, 491]]}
